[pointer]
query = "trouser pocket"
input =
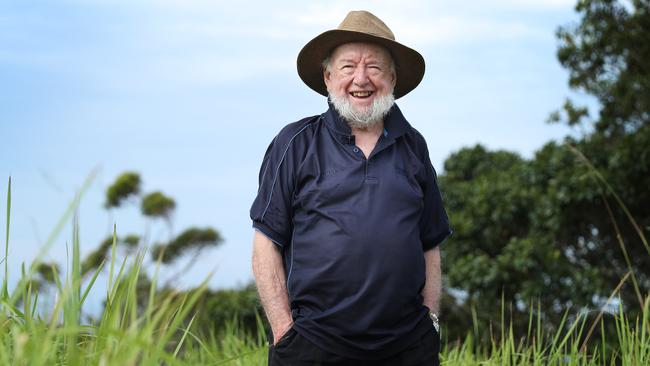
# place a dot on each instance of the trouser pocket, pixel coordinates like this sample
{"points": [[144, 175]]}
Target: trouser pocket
{"points": [[286, 338]]}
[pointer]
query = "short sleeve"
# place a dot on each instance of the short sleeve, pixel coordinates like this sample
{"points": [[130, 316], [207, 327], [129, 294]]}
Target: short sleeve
{"points": [[271, 209], [434, 224]]}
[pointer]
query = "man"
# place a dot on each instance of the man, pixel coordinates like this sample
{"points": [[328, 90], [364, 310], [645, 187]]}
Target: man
{"points": [[348, 215]]}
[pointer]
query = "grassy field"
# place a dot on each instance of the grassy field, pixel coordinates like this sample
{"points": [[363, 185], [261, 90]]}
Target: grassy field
{"points": [[160, 332]]}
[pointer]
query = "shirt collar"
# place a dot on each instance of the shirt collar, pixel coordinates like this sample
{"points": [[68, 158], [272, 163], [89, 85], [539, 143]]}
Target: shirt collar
{"points": [[395, 125]]}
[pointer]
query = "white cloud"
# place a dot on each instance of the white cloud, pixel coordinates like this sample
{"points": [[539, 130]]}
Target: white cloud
{"points": [[426, 21], [454, 29], [537, 4], [202, 41]]}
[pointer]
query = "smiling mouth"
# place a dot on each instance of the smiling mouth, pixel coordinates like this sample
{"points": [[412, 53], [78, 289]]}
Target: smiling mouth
{"points": [[361, 94]]}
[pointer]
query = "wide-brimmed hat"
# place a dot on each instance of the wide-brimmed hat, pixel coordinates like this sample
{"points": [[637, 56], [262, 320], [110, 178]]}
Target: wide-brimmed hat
{"points": [[360, 26]]}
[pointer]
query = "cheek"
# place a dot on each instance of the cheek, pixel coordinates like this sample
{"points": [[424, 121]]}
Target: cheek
{"points": [[382, 86], [339, 87], [388, 83]]}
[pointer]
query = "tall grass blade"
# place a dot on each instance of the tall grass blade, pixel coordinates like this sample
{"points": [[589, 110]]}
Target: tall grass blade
{"points": [[113, 249], [602, 310], [616, 196], [72, 309], [186, 304], [92, 282], [55, 232], [621, 243], [5, 290], [152, 289], [185, 331]]}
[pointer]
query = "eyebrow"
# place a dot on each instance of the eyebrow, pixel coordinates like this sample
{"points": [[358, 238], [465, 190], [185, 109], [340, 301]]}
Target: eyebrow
{"points": [[371, 61], [346, 60]]}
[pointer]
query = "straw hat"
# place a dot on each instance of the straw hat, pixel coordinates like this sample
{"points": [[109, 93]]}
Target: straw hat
{"points": [[360, 26]]}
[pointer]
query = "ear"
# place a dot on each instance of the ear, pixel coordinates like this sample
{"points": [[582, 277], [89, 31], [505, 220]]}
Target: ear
{"points": [[327, 77], [393, 77]]}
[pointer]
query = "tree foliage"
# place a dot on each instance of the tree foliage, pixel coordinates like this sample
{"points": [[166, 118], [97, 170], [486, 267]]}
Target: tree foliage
{"points": [[95, 258], [126, 185], [607, 56], [190, 239], [156, 204], [550, 230], [48, 272], [215, 309]]}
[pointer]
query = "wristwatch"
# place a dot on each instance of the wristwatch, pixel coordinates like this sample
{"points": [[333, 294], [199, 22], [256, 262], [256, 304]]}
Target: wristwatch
{"points": [[434, 319]]}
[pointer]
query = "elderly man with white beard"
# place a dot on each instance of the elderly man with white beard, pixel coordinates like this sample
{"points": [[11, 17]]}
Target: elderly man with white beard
{"points": [[348, 217]]}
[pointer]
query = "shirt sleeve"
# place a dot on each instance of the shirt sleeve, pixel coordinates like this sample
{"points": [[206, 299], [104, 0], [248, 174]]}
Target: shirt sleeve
{"points": [[271, 210], [434, 224]]}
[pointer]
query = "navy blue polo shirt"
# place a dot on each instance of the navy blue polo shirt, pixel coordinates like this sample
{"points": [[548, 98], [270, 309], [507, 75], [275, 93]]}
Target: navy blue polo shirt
{"points": [[352, 231]]}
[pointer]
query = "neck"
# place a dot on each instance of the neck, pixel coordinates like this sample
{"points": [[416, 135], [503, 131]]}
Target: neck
{"points": [[374, 128]]}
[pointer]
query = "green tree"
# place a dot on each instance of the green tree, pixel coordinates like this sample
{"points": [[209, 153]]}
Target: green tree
{"points": [[549, 230], [95, 258], [153, 205], [607, 56], [215, 309], [190, 239], [125, 186], [156, 204]]}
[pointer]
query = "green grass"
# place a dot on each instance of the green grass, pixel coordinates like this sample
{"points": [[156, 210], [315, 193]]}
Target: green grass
{"points": [[160, 331]]}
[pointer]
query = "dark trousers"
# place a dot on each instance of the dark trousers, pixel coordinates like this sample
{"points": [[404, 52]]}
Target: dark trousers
{"points": [[294, 350]]}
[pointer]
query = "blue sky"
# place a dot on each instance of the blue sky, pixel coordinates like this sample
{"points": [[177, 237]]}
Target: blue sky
{"points": [[190, 93]]}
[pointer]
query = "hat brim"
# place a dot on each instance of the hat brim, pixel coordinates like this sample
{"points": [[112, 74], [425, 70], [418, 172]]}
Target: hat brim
{"points": [[409, 64]]}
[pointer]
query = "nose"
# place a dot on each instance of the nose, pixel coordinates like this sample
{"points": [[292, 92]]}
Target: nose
{"points": [[360, 76]]}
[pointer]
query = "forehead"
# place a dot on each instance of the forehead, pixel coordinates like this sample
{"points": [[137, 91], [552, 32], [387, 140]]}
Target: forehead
{"points": [[360, 50]]}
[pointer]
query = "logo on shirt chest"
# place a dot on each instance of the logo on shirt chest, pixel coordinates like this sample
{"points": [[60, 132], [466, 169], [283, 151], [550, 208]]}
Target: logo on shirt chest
{"points": [[329, 172]]}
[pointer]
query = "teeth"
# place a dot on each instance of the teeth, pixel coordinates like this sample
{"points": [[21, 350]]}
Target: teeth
{"points": [[361, 94]]}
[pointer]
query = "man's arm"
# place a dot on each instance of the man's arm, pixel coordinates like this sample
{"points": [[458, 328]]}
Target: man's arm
{"points": [[433, 285], [270, 280]]}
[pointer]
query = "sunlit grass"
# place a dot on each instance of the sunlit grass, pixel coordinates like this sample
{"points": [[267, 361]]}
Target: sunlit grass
{"points": [[631, 347], [125, 334], [162, 331]]}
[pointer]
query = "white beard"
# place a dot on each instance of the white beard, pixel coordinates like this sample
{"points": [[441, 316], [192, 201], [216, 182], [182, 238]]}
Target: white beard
{"points": [[367, 116]]}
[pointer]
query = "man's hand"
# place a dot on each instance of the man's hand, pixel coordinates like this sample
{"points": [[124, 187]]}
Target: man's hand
{"points": [[270, 280]]}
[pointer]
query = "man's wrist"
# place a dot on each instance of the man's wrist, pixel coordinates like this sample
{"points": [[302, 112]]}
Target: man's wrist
{"points": [[280, 331]]}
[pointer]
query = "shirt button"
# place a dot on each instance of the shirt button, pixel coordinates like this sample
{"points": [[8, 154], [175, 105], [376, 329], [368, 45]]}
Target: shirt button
{"points": [[356, 149]]}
